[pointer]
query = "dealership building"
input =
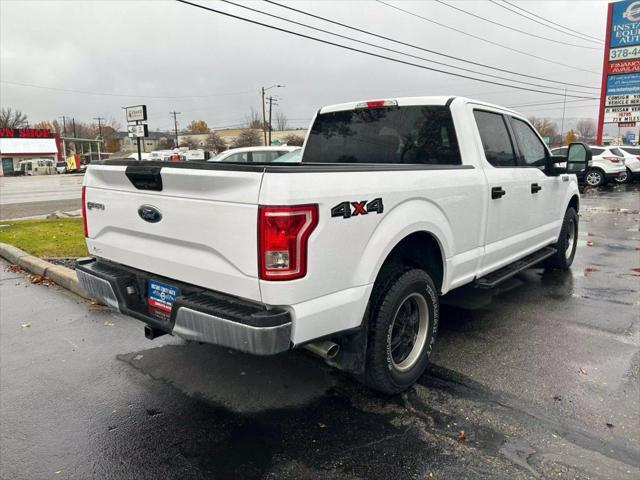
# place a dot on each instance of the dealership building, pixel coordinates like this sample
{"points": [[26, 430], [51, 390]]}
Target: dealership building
{"points": [[18, 144]]}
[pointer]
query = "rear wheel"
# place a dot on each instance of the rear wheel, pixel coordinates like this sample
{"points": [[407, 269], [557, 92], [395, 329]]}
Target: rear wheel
{"points": [[402, 329], [594, 177], [623, 177], [567, 242]]}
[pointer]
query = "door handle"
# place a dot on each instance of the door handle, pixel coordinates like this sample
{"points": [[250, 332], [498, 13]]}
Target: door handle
{"points": [[535, 188], [497, 192]]}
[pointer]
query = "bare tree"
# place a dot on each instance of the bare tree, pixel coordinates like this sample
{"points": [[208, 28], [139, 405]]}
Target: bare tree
{"points": [[293, 140], [253, 120], [248, 138], [166, 144], [13, 118], [586, 127], [215, 143], [282, 122]]}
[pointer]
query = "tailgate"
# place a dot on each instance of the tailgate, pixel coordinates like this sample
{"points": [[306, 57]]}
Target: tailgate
{"points": [[207, 232]]}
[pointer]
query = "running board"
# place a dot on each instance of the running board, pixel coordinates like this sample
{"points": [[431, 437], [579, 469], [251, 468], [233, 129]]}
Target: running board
{"points": [[494, 278]]}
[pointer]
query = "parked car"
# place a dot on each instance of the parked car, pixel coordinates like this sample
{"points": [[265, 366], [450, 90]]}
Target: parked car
{"points": [[143, 155], [252, 154], [607, 164], [631, 160], [61, 167], [37, 166], [346, 253]]}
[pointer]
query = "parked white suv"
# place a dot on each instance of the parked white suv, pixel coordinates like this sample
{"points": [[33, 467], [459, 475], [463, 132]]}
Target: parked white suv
{"points": [[631, 160], [607, 164], [346, 253]]}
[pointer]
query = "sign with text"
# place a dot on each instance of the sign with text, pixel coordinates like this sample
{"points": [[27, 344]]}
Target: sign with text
{"points": [[625, 66], [622, 114], [620, 92], [627, 124], [138, 130], [137, 113], [25, 133]]}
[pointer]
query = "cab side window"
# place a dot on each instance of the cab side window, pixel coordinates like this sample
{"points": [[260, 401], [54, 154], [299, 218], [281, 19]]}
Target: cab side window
{"points": [[533, 151], [495, 137]]}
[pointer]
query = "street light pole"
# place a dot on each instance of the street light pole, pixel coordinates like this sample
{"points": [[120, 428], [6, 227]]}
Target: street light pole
{"points": [[175, 125], [99, 119]]}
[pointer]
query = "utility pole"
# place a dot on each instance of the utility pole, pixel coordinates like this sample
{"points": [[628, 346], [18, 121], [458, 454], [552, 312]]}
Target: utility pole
{"points": [[74, 127], [264, 114], [99, 119], [564, 107], [271, 104], [64, 125], [175, 125]]}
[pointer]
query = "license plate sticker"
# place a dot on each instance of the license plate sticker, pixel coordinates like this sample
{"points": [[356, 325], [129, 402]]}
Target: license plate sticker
{"points": [[160, 295]]}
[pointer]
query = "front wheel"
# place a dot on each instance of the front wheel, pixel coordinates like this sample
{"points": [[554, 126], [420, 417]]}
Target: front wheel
{"points": [[402, 329], [567, 242], [594, 177]]}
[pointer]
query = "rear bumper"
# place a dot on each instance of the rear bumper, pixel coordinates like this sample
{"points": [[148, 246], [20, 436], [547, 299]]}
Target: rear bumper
{"points": [[614, 175], [197, 314]]}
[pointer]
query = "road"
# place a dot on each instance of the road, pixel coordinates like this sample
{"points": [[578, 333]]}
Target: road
{"points": [[541, 374], [38, 195]]}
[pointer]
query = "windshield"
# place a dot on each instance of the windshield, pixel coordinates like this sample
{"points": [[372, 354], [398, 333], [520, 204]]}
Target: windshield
{"points": [[290, 157], [394, 135]]}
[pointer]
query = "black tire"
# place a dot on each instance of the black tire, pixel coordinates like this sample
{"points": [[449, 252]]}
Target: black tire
{"points": [[401, 298], [563, 258], [624, 178], [594, 177]]}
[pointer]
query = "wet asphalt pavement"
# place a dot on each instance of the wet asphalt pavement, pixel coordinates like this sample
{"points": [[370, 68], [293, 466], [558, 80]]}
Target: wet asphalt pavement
{"points": [[539, 378]]}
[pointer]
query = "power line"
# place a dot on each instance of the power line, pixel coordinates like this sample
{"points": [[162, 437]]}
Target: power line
{"points": [[515, 29], [353, 49], [568, 107], [486, 40], [550, 103], [273, 27], [551, 21], [416, 47], [509, 9], [119, 94], [404, 53]]}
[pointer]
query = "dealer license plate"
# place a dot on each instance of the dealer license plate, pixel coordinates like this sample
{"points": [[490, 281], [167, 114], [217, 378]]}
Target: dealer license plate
{"points": [[160, 295]]}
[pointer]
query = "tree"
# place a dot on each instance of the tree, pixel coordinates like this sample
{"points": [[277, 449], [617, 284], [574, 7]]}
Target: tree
{"points": [[54, 126], [253, 120], [198, 126], [215, 143], [545, 126], [570, 137], [586, 127], [282, 122], [187, 142], [293, 140], [13, 118], [166, 144], [248, 138]]}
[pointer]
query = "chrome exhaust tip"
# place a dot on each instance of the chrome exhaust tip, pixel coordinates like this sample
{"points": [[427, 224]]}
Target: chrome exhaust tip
{"points": [[327, 349]]}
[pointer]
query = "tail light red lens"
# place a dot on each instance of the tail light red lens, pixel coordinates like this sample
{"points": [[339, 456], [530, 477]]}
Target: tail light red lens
{"points": [[283, 234], [84, 211], [612, 159]]}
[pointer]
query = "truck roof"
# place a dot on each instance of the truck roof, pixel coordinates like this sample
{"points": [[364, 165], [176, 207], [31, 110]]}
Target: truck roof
{"points": [[406, 101]]}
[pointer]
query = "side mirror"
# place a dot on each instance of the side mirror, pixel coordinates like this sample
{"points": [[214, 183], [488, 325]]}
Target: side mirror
{"points": [[578, 157]]}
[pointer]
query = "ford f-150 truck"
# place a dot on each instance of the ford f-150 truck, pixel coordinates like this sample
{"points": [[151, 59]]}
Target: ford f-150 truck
{"points": [[395, 203]]}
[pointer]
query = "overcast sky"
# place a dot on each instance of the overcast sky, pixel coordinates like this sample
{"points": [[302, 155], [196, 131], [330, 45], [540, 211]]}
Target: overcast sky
{"points": [[213, 66]]}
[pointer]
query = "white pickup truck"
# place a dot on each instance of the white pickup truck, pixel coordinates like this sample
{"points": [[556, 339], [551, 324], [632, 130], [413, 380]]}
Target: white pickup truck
{"points": [[394, 203]]}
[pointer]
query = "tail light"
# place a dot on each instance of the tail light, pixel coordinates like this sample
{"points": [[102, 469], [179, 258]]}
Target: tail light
{"points": [[283, 234], [612, 159], [84, 211]]}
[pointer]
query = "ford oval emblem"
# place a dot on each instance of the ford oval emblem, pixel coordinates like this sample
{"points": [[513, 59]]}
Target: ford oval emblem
{"points": [[149, 214]]}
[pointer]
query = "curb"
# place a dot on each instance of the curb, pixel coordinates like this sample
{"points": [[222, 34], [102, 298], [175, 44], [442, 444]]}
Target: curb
{"points": [[63, 276]]}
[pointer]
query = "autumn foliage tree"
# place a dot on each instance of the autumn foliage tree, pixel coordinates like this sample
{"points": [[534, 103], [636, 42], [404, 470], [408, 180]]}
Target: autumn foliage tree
{"points": [[570, 137], [545, 126], [198, 126]]}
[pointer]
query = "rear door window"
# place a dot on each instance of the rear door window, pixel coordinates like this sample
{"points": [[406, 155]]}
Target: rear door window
{"points": [[632, 151], [237, 157], [265, 156], [393, 135], [616, 152], [495, 137]]}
